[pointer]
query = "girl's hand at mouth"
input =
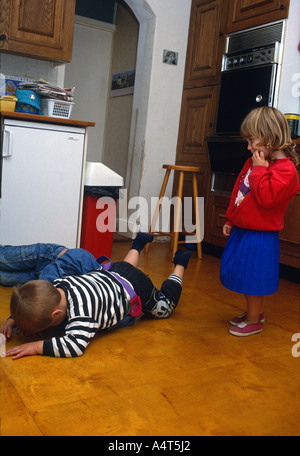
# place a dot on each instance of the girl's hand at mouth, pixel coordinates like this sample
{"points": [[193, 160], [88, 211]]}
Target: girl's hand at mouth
{"points": [[258, 159]]}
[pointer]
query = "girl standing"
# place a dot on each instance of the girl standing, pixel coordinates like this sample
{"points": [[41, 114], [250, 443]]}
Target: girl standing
{"points": [[264, 187]]}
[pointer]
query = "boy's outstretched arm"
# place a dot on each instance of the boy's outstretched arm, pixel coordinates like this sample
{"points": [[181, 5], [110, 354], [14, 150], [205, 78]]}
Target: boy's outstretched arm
{"points": [[29, 349], [7, 327]]}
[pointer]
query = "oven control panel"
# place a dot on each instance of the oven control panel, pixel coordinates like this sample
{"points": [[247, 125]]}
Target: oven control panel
{"points": [[252, 57]]}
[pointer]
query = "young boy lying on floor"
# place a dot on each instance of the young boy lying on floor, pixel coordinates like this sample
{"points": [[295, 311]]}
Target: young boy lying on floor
{"points": [[87, 303]]}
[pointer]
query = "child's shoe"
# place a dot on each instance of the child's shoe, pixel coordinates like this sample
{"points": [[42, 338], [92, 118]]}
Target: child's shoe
{"points": [[237, 320], [246, 330]]}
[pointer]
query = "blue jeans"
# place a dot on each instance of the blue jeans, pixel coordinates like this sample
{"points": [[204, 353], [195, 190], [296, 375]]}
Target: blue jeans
{"points": [[20, 264]]}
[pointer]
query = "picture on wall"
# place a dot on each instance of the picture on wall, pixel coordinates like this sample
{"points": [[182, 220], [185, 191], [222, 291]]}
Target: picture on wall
{"points": [[170, 57], [122, 83]]}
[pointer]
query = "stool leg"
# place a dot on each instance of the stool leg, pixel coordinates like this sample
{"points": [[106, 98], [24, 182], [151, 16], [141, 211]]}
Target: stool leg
{"points": [[156, 213], [197, 216], [177, 214]]}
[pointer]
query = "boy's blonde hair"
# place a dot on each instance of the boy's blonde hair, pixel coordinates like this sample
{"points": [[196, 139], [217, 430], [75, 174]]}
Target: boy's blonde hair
{"points": [[272, 129], [32, 304]]}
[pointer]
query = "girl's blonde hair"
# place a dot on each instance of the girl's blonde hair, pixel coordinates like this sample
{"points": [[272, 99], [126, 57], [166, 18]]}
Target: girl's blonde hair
{"points": [[272, 129], [32, 304]]}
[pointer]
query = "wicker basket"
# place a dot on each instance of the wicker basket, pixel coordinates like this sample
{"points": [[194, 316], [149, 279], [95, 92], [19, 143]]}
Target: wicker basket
{"points": [[56, 108]]}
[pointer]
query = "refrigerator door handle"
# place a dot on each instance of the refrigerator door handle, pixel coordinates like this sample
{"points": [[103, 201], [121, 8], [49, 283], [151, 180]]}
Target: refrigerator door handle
{"points": [[7, 143]]}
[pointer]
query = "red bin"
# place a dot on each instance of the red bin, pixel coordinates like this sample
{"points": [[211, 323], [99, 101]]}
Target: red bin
{"points": [[99, 209]]}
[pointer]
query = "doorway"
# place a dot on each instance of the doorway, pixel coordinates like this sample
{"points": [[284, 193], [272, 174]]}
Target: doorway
{"points": [[120, 100]]}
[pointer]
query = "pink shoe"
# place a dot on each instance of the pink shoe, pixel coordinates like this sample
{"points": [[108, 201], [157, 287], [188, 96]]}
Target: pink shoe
{"points": [[245, 330], [237, 320]]}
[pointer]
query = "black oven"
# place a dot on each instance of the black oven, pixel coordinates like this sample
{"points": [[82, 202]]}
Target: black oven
{"points": [[248, 81], [227, 156], [250, 78], [241, 91]]}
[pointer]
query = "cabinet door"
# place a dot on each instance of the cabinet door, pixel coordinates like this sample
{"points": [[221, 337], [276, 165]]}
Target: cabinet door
{"points": [[41, 186], [198, 113], [250, 13], [206, 42], [290, 234], [216, 208], [40, 28]]}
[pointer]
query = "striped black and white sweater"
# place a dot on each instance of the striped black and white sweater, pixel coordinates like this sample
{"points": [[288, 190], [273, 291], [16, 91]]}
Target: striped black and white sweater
{"points": [[95, 301]]}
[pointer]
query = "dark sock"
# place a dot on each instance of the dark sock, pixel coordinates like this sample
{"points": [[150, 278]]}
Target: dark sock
{"points": [[182, 258], [141, 240]]}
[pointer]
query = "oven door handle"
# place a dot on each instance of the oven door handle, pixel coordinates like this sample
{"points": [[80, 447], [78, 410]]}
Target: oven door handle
{"points": [[273, 93]]}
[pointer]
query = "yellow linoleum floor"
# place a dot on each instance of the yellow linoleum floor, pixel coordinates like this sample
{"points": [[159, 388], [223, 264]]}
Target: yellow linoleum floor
{"points": [[185, 376]]}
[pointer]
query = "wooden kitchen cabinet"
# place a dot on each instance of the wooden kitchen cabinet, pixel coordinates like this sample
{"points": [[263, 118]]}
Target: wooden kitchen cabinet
{"points": [[215, 220], [290, 235], [198, 110], [210, 21], [206, 42], [201, 86], [38, 28], [244, 14], [206, 45]]}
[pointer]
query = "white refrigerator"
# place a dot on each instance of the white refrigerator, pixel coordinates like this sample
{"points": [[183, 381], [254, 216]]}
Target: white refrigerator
{"points": [[41, 183]]}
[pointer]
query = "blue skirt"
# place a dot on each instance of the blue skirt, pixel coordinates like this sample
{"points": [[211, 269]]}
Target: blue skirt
{"points": [[250, 262]]}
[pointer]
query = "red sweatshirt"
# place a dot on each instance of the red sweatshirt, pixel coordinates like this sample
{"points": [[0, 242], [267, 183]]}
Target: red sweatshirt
{"points": [[271, 189]]}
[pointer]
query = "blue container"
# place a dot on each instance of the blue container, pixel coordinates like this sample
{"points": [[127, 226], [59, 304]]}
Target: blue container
{"points": [[28, 102]]}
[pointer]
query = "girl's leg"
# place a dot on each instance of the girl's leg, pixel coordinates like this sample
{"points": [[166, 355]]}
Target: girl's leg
{"points": [[251, 323], [254, 308]]}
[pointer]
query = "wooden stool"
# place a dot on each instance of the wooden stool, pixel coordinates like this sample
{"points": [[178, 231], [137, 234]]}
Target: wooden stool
{"points": [[175, 230]]}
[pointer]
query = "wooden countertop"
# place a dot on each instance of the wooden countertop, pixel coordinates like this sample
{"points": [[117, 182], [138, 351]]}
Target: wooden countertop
{"points": [[54, 120]]}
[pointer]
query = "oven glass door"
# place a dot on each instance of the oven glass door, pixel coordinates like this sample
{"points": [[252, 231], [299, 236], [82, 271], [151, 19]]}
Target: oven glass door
{"points": [[227, 156], [241, 91]]}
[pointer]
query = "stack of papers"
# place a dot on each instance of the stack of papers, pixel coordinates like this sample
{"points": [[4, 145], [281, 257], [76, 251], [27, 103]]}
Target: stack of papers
{"points": [[44, 89]]}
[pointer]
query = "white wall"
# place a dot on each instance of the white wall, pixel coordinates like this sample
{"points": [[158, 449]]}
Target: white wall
{"points": [[89, 72], [288, 98], [158, 92], [119, 113], [26, 67], [172, 25]]}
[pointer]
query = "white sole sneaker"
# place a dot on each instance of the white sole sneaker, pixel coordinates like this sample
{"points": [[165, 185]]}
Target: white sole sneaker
{"points": [[239, 319]]}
